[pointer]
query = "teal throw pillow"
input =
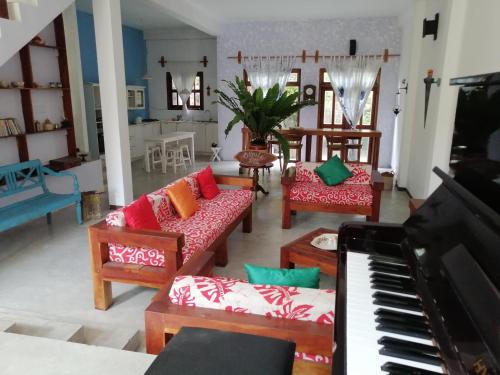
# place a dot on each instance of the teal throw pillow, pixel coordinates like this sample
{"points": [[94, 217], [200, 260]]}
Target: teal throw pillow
{"points": [[333, 171], [301, 277]]}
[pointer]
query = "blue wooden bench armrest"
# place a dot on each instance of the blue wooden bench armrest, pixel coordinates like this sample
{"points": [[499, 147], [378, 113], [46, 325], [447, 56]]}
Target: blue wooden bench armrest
{"points": [[50, 172]]}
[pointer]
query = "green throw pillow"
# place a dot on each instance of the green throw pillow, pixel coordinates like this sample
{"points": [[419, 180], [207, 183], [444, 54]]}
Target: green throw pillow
{"points": [[333, 171], [301, 277]]}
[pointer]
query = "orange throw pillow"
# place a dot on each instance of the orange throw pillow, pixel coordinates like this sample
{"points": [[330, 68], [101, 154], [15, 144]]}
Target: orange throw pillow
{"points": [[183, 199]]}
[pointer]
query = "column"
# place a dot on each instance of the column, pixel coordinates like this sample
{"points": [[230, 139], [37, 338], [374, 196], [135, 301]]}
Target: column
{"points": [[111, 68]]}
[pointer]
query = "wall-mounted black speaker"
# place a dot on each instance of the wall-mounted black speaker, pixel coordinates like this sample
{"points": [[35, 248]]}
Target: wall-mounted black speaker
{"points": [[352, 47], [431, 27]]}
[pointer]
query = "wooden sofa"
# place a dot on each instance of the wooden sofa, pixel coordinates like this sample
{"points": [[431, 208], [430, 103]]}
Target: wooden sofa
{"points": [[164, 318], [151, 257], [303, 190]]}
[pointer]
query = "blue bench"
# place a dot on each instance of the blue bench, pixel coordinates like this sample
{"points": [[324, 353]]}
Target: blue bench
{"points": [[21, 177]]}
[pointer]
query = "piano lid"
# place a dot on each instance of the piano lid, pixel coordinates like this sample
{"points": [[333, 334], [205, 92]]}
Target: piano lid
{"points": [[453, 245]]}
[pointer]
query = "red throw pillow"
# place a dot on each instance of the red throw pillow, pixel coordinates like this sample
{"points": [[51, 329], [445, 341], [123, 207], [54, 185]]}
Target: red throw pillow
{"points": [[140, 215], [208, 186]]}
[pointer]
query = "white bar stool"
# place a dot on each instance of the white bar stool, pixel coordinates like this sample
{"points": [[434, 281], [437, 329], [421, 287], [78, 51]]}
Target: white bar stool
{"points": [[153, 152], [185, 153], [175, 158]]}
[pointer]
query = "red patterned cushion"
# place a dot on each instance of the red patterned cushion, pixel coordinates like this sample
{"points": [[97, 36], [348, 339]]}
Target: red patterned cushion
{"points": [[283, 302], [200, 230], [304, 172], [361, 174], [343, 194]]}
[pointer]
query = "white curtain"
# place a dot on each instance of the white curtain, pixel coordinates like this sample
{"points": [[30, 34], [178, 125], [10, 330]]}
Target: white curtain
{"points": [[183, 76], [265, 72], [352, 79]]}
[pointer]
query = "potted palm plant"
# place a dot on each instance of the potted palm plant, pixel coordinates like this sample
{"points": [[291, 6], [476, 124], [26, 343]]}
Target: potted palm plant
{"points": [[262, 114]]}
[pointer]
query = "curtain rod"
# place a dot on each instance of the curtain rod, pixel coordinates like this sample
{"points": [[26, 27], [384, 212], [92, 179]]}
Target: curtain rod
{"points": [[304, 56], [164, 61]]}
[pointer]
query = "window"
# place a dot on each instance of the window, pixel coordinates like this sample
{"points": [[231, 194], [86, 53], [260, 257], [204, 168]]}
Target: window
{"points": [[330, 113], [292, 85], [195, 101]]}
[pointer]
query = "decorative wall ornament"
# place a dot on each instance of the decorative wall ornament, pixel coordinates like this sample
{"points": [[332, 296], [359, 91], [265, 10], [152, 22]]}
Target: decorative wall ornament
{"points": [[429, 80], [430, 27]]}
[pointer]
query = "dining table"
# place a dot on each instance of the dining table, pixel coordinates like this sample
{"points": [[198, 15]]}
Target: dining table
{"points": [[172, 137]]}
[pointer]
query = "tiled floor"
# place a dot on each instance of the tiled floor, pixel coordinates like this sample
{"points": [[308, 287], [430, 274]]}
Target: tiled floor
{"points": [[45, 269]]}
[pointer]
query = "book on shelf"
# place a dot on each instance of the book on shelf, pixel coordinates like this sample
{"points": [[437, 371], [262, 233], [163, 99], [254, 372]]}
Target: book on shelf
{"points": [[9, 126]]}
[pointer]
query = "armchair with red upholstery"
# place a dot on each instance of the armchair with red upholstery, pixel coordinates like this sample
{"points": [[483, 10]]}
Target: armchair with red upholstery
{"points": [[303, 190]]}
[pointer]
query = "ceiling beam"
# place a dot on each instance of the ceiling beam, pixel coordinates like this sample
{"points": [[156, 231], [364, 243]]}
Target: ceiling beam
{"points": [[192, 15]]}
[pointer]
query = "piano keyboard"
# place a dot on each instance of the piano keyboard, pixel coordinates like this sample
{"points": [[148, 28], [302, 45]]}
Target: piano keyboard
{"points": [[386, 331]]}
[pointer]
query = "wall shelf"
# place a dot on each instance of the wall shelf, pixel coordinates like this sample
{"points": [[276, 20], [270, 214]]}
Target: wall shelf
{"points": [[27, 64], [50, 131], [46, 46]]}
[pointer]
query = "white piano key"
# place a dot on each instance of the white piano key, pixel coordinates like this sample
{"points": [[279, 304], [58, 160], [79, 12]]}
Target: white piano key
{"points": [[362, 348]]}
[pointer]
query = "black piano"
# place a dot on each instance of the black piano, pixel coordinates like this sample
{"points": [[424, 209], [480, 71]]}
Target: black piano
{"points": [[422, 297]]}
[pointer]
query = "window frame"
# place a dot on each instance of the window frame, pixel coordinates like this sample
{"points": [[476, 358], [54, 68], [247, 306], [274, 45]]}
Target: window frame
{"points": [[170, 90], [326, 86]]}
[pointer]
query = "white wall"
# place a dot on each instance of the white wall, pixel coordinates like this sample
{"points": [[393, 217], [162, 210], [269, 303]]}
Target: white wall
{"points": [[183, 44], [329, 37], [466, 45]]}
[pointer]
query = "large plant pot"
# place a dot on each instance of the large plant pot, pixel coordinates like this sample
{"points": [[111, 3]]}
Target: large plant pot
{"points": [[257, 147]]}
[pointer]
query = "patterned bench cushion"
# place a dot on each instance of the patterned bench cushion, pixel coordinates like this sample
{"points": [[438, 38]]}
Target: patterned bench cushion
{"points": [[361, 173], [315, 305], [343, 194], [200, 230]]}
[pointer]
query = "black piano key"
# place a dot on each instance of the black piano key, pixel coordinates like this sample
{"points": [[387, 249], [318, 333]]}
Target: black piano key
{"points": [[392, 278], [391, 287], [408, 345], [381, 267], [409, 324], [384, 313], [403, 330], [388, 259], [401, 302], [411, 356], [398, 369]]}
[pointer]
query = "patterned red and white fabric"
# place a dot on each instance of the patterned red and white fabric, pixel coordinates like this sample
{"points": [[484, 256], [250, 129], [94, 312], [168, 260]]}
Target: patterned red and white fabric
{"points": [[315, 305], [343, 194], [304, 172], [200, 230], [361, 173]]}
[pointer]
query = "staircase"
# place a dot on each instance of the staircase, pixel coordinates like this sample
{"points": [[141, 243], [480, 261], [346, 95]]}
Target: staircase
{"points": [[27, 330], [26, 18]]}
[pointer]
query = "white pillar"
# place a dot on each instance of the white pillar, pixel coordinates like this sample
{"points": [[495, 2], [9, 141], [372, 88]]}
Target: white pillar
{"points": [[111, 67]]}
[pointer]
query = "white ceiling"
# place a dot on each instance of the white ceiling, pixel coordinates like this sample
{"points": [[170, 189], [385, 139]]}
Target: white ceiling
{"points": [[263, 10], [141, 14], [211, 15]]}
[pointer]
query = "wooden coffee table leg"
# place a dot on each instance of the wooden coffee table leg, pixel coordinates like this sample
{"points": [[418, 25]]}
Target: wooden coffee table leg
{"points": [[285, 260]]}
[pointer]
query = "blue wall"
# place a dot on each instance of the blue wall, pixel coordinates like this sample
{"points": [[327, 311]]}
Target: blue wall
{"points": [[134, 51]]}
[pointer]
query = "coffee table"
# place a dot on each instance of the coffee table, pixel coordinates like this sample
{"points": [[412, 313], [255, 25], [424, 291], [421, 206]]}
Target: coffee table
{"points": [[303, 253]]}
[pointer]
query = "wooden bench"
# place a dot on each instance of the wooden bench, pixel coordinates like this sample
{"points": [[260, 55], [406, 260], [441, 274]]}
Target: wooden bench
{"points": [[170, 244], [19, 178], [163, 319]]}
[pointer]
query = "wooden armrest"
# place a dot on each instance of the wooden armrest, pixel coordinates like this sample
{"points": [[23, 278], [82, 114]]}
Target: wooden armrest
{"points": [[155, 239], [376, 181], [288, 176], [246, 182], [199, 264]]}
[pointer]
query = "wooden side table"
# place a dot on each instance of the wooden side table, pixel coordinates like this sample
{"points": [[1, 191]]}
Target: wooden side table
{"points": [[303, 253]]}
